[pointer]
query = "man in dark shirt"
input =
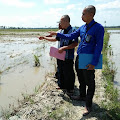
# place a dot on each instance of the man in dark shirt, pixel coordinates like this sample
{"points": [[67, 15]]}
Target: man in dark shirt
{"points": [[66, 75]]}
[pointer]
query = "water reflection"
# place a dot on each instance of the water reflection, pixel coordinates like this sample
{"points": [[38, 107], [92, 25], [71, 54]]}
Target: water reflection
{"points": [[114, 31], [114, 41]]}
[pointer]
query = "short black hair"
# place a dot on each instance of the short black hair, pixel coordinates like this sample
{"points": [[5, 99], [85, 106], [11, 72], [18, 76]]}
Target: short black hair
{"points": [[91, 9], [66, 17]]}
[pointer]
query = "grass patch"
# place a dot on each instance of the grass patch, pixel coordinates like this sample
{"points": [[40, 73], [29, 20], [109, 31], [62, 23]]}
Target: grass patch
{"points": [[27, 30], [37, 89], [62, 112], [111, 103], [37, 62], [27, 98], [113, 28]]}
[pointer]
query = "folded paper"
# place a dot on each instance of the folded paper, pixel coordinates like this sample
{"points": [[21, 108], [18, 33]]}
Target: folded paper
{"points": [[54, 53]]}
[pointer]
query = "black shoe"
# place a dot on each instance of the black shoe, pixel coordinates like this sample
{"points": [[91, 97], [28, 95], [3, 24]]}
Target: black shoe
{"points": [[70, 92], [78, 98], [87, 111]]}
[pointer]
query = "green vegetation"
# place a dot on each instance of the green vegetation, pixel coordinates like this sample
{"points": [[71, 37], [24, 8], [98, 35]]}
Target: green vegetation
{"points": [[6, 114], [65, 111], [112, 28], [37, 89], [29, 30], [56, 114], [28, 98], [37, 62], [111, 103]]}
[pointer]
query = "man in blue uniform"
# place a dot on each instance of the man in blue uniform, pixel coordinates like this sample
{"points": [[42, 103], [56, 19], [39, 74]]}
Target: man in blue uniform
{"points": [[66, 75], [92, 35]]}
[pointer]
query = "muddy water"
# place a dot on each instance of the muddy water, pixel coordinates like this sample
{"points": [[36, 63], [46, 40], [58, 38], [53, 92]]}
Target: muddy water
{"points": [[114, 41], [17, 72]]}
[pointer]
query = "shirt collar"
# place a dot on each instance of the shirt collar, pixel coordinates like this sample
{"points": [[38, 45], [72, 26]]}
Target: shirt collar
{"points": [[88, 25], [68, 28]]}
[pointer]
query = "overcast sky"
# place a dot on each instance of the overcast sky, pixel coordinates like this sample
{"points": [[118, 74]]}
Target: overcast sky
{"points": [[46, 13]]}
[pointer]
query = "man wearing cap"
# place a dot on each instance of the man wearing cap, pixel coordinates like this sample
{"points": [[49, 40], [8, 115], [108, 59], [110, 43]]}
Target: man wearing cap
{"points": [[66, 75]]}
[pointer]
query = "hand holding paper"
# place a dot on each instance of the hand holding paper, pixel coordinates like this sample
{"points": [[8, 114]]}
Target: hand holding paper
{"points": [[54, 53]]}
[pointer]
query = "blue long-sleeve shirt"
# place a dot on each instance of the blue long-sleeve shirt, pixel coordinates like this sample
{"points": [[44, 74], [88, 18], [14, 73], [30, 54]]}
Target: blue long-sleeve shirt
{"points": [[91, 42]]}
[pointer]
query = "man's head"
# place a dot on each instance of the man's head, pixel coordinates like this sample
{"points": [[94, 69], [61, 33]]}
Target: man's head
{"points": [[59, 26], [88, 13], [65, 21]]}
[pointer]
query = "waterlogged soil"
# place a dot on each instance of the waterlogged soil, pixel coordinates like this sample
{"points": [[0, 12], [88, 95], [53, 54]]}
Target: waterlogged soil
{"points": [[40, 100], [18, 74], [48, 103]]}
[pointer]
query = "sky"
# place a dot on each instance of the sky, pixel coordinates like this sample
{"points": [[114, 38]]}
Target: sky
{"points": [[46, 13]]}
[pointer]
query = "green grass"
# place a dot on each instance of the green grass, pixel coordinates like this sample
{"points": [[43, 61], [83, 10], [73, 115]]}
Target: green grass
{"points": [[37, 89], [41, 30], [37, 62], [28, 30], [111, 103], [112, 28], [27, 98]]}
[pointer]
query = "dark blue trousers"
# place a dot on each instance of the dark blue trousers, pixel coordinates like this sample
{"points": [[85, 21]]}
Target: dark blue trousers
{"points": [[66, 75]]}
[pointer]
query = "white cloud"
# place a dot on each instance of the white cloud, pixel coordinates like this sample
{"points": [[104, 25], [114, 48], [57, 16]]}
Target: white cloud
{"points": [[114, 4], [41, 20], [54, 11], [50, 17], [99, 0], [72, 6], [15, 21], [73, 10], [111, 17], [46, 18], [55, 1], [18, 3], [53, 15], [103, 1]]}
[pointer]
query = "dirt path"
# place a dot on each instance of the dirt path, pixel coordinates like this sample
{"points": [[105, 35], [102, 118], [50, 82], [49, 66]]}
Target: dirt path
{"points": [[51, 104]]}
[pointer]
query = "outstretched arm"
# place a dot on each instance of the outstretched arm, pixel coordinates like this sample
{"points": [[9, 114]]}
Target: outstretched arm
{"points": [[70, 36], [52, 39]]}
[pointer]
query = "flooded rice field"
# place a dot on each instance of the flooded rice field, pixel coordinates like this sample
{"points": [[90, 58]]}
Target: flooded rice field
{"points": [[18, 75]]}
